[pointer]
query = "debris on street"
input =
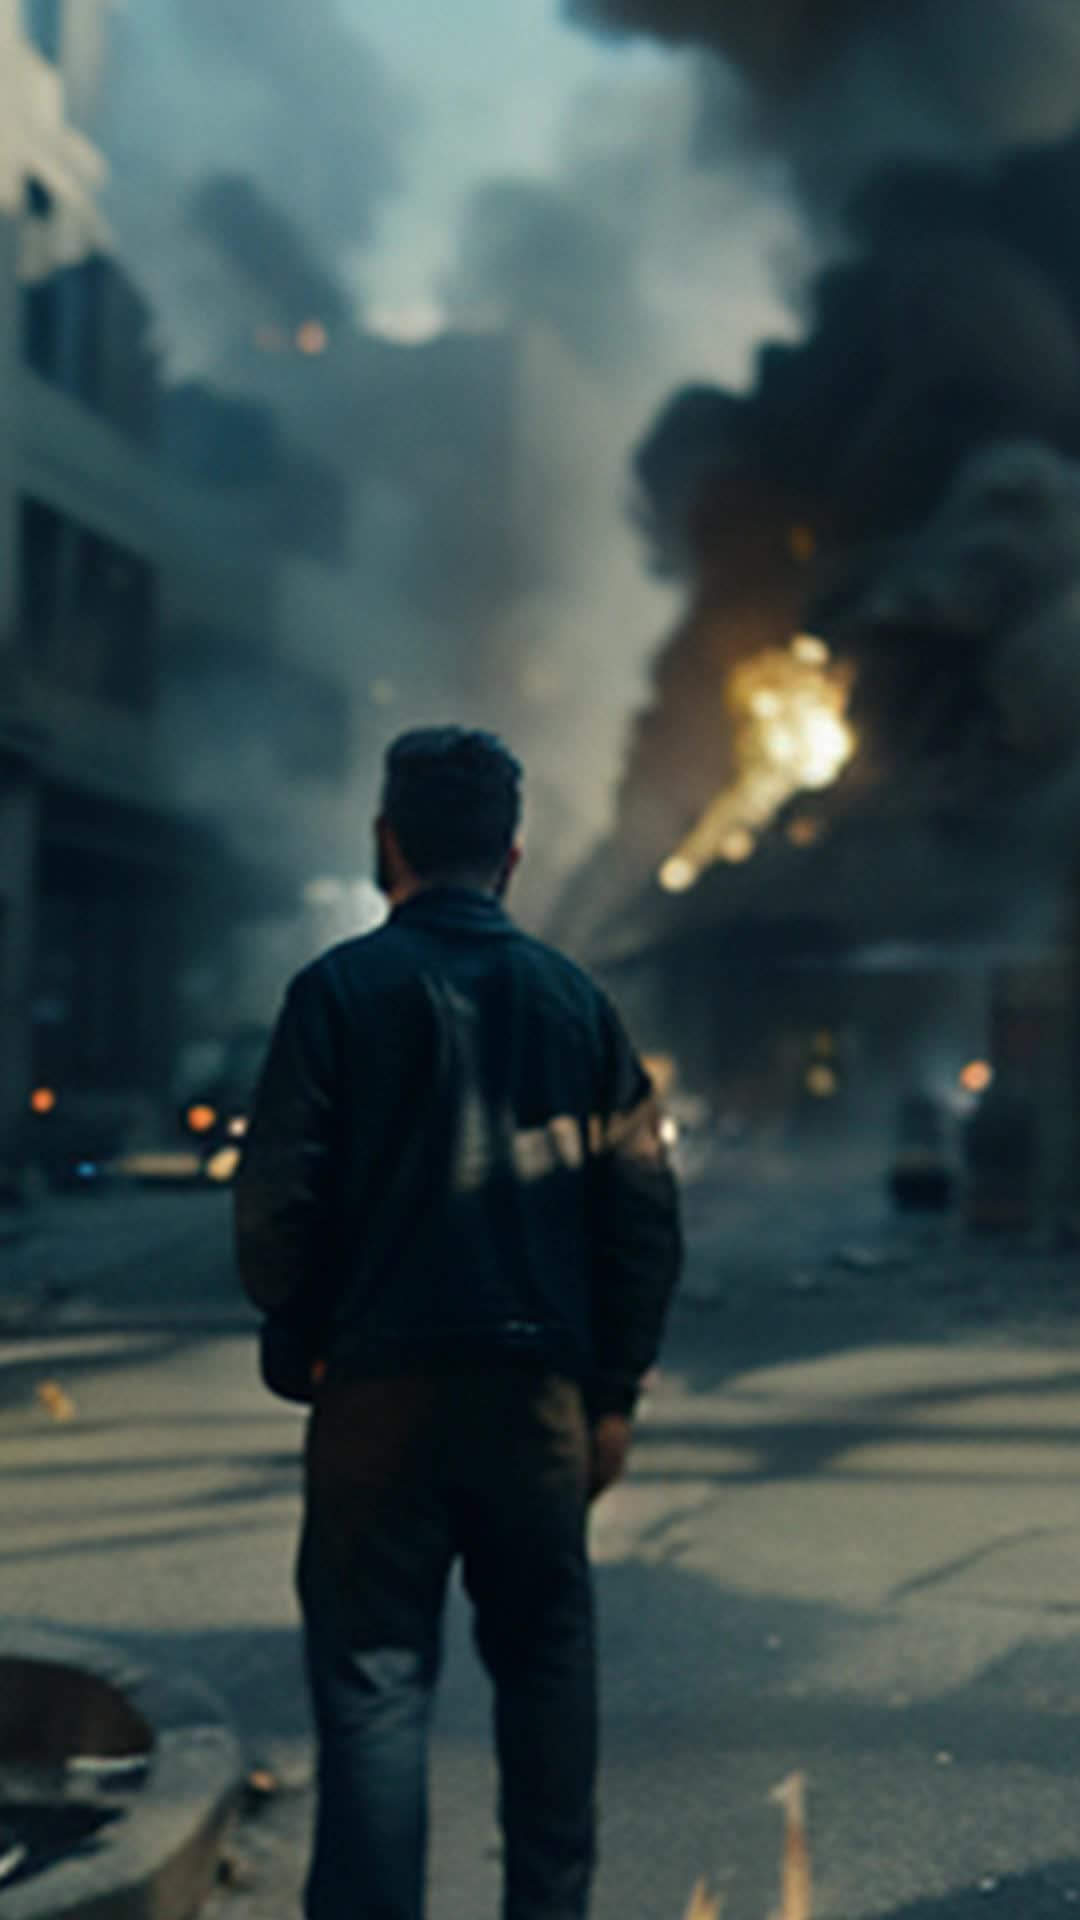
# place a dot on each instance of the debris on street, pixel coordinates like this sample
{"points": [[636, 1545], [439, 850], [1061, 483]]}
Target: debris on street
{"points": [[57, 1401], [795, 1882], [702, 1905]]}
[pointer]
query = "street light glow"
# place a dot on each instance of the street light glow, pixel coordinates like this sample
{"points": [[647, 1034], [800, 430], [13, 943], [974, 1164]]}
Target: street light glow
{"points": [[977, 1076]]}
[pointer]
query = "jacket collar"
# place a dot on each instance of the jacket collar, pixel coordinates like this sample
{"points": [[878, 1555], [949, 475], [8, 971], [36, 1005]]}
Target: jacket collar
{"points": [[454, 910]]}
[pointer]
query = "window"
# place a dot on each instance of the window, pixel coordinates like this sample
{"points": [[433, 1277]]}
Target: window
{"points": [[85, 327], [110, 649], [40, 309], [41, 562], [44, 24], [87, 609], [38, 199]]}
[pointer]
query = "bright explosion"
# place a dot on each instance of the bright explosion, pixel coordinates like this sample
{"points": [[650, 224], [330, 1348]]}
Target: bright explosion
{"points": [[789, 711]]}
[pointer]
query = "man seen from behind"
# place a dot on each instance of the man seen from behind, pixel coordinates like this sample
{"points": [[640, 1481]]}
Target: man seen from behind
{"points": [[456, 1215]]}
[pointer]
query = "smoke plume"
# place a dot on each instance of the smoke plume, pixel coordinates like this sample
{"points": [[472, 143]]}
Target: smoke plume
{"points": [[839, 86], [953, 330], [530, 251], [251, 152], [979, 612], [264, 246]]}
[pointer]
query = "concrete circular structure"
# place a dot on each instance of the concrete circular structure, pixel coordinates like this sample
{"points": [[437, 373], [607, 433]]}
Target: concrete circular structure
{"points": [[118, 1779]]}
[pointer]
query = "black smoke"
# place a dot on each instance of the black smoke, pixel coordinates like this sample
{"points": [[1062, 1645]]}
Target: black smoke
{"points": [[931, 151], [838, 86], [903, 480], [957, 323]]}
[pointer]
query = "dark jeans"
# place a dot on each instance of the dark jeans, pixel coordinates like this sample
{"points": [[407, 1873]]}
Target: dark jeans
{"points": [[403, 1476]]}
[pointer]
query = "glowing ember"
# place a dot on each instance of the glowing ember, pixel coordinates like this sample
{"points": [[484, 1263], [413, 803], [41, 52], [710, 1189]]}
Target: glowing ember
{"points": [[202, 1119], [678, 875], [804, 830], [791, 735], [821, 1081], [312, 337], [977, 1076], [810, 651], [737, 846], [43, 1100]]}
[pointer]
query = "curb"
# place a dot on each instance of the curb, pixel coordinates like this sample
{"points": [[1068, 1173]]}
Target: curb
{"points": [[157, 1862]]}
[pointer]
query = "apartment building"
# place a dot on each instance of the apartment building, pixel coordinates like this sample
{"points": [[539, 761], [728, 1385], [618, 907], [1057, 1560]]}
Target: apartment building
{"points": [[121, 572]]}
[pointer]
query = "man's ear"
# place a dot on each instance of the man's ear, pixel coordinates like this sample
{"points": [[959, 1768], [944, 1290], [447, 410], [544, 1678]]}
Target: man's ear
{"points": [[390, 864], [510, 866]]}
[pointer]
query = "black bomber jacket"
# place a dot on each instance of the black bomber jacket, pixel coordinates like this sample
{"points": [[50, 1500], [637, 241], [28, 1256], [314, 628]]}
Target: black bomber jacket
{"points": [[454, 1150]]}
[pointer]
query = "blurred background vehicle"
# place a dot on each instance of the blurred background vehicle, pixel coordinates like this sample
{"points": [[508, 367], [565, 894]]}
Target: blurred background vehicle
{"points": [[213, 1088], [921, 1178]]}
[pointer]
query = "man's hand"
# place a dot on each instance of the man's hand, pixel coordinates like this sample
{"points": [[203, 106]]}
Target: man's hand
{"points": [[609, 1445]]}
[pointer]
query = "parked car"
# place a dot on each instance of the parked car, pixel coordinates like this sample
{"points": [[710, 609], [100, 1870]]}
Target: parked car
{"points": [[203, 1138], [71, 1139]]}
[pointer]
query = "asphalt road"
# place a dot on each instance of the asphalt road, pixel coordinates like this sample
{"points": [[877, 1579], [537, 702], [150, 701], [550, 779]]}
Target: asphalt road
{"points": [[850, 1544]]}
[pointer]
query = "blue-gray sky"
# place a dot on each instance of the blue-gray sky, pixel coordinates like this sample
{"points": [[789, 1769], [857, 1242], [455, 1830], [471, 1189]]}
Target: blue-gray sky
{"points": [[502, 91], [373, 123]]}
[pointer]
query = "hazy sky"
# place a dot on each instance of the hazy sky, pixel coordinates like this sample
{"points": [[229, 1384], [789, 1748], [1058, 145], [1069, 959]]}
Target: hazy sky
{"points": [[370, 126], [372, 123], [512, 90], [493, 84]]}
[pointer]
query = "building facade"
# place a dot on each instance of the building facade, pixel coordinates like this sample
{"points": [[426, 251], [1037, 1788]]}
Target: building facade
{"points": [[123, 573], [79, 518]]}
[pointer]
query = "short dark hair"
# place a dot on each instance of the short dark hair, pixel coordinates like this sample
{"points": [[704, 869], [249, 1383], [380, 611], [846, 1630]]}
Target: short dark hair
{"points": [[453, 798]]}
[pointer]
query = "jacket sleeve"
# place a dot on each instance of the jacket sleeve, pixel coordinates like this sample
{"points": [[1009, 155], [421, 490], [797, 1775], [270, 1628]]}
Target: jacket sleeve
{"points": [[637, 1236], [283, 1189]]}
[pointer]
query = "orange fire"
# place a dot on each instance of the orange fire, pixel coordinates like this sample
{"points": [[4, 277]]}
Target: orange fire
{"points": [[791, 735]]}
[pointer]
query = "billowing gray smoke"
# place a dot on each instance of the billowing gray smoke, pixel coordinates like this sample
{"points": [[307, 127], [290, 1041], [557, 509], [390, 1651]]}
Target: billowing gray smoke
{"points": [[978, 616], [258, 132], [841, 85], [264, 247], [323, 120], [256, 149], [946, 332]]}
